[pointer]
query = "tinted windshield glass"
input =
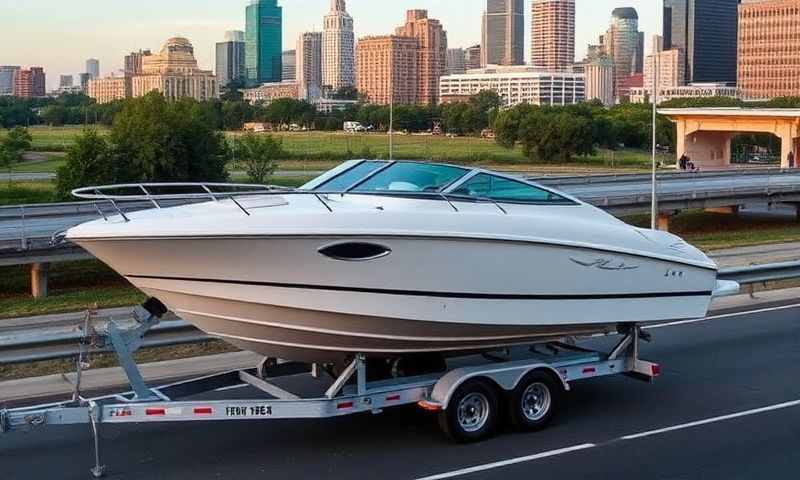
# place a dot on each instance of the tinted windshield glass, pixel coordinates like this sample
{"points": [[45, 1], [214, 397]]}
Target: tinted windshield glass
{"points": [[504, 190], [349, 178], [413, 177]]}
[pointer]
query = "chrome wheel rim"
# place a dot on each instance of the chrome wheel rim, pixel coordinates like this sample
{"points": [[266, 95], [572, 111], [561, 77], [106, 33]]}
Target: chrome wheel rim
{"points": [[473, 412], [536, 401]]}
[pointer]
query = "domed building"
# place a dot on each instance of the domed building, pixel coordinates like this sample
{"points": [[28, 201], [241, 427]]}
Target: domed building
{"points": [[174, 72]]}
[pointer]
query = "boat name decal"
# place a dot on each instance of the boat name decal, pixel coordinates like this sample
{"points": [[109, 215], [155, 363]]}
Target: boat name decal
{"points": [[605, 264]]}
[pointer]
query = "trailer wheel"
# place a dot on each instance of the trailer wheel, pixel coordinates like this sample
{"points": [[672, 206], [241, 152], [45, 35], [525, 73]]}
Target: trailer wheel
{"points": [[534, 402], [471, 414]]}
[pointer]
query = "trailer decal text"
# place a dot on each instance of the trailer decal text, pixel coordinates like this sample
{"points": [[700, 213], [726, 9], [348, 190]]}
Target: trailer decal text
{"points": [[249, 411]]}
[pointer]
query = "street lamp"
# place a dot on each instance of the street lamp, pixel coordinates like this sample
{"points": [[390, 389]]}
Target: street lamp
{"points": [[654, 206]]}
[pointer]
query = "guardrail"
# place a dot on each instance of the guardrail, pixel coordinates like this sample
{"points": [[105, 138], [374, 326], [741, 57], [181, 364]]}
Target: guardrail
{"points": [[32, 346], [772, 272], [555, 180]]}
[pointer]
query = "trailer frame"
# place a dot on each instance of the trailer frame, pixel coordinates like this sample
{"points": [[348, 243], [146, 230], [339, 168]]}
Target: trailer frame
{"points": [[347, 393]]}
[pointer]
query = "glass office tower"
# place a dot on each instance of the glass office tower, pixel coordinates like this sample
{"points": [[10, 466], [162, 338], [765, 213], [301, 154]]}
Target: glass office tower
{"points": [[705, 30], [264, 42]]}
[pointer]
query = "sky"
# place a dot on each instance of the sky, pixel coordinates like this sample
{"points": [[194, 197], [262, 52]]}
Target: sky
{"points": [[60, 35]]}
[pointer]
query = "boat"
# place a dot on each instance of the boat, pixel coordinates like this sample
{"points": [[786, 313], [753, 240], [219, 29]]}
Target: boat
{"points": [[394, 258]]}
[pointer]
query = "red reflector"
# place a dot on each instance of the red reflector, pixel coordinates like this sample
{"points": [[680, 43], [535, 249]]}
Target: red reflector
{"points": [[203, 411], [155, 411], [393, 398], [343, 405], [589, 370], [655, 370]]}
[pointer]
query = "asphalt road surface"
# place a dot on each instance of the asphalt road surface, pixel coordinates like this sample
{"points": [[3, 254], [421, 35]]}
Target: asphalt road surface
{"points": [[726, 406]]}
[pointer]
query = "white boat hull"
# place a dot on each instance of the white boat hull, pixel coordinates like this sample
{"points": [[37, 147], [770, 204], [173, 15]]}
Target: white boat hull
{"points": [[279, 296]]}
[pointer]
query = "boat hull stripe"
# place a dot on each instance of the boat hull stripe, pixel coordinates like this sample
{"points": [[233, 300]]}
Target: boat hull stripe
{"points": [[416, 293]]}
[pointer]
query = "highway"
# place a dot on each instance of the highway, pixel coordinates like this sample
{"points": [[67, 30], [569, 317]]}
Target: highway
{"points": [[727, 405]]}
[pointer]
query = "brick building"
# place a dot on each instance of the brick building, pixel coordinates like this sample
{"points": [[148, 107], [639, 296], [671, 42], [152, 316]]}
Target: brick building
{"points": [[768, 49]]}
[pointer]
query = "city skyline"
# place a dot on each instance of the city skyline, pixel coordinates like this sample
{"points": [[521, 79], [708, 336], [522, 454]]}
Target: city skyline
{"points": [[130, 27]]}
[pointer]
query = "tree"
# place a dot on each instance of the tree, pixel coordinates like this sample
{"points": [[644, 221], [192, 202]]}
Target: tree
{"points": [[507, 124], [158, 141], [89, 162], [260, 154], [54, 115], [12, 148]]}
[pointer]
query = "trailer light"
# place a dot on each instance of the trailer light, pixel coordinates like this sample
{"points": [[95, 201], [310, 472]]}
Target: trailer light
{"points": [[655, 370], [393, 398], [344, 405], [429, 406], [155, 411], [203, 411], [589, 370]]}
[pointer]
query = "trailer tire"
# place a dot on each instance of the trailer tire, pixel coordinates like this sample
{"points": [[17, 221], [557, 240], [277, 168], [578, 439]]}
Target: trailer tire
{"points": [[534, 402], [472, 412]]}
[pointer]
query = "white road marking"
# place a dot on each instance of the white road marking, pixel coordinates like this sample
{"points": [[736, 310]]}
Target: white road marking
{"points": [[505, 463], [756, 411], [231, 387], [585, 446], [726, 315]]}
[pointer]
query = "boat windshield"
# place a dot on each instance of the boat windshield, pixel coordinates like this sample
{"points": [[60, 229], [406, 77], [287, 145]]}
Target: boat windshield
{"points": [[500, 189], [408, 177], [381, 176]]}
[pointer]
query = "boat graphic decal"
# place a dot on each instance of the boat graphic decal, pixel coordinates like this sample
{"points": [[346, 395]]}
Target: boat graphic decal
{"points": [[605, 264], [438, 294]]}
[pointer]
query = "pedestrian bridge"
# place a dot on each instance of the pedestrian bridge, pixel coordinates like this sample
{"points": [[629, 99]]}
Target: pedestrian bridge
{"points": [[705, 134]]}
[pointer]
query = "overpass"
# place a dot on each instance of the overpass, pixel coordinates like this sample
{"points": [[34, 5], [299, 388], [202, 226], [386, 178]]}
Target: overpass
{"points": [[705, 134], [25, 230]]}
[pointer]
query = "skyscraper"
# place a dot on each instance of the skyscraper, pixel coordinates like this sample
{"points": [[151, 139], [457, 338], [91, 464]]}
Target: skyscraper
{"points": [[472, 57], [769, 57], [309, 64], [553, 33], [29, 83], [85, 78], [338, 48], [133, 62], [599, 72], [456, 61], [93, 67], [387, 73], [264, 41], [431, 52], [706, 32], [387, 69], [8, 73], [503, 33], [230, 58], [65, 81], [289, 66], [622, 43]]}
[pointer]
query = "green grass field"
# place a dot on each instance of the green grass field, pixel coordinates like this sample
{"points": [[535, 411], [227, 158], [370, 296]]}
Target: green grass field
{"points": [[714, 231], [56, 139], [49, 165], [21, 193], [333, 147]]}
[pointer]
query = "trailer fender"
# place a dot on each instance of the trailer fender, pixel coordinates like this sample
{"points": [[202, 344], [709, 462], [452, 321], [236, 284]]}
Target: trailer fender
{"points": [[507, 377]]}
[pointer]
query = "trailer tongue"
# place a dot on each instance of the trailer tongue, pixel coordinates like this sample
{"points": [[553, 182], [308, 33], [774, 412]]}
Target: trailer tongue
{"points": [[529, 380]]}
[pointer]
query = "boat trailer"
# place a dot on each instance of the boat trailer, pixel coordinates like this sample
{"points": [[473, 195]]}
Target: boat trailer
{"points": [[466, 395]]}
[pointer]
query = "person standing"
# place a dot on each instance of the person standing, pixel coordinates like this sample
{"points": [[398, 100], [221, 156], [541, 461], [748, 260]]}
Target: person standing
{"points": [[790, 159]]}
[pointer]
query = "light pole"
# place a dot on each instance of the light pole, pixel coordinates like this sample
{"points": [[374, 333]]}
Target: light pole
{"points": [[654, 207], [391, 124]]}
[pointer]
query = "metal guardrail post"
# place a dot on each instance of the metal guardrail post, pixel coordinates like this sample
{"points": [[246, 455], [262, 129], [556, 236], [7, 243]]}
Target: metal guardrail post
{"points": [[23, 237]]}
